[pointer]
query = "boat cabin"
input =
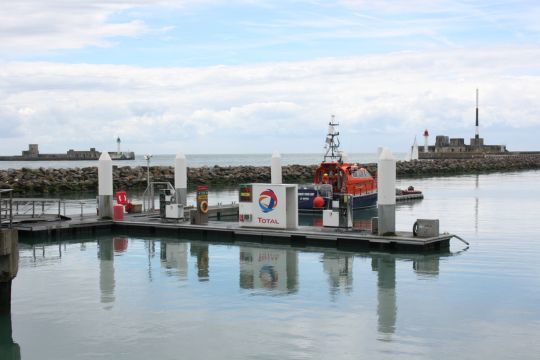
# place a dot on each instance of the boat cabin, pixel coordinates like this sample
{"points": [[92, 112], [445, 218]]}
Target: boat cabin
{"points": [[345, 178]]}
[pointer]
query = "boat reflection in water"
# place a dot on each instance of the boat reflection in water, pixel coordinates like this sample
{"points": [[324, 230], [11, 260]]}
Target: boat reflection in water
{"points": [[269, 269]]}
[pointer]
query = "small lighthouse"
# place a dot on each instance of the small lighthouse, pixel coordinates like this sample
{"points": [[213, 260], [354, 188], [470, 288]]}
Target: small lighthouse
{"points": [[118, 141], [426, 139]]}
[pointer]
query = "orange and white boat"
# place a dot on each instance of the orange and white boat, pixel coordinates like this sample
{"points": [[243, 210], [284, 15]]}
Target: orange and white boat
{"points": [[334, 177]]}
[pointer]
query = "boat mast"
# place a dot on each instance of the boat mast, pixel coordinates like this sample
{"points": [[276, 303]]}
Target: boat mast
{"points": [[332, 142]]}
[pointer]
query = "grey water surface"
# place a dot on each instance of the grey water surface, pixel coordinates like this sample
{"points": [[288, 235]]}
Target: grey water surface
{"points": [[197, 160], [137, 297]]}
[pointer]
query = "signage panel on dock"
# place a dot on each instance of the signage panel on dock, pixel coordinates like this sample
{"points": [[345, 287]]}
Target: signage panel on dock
{"points": [[271, 206]]}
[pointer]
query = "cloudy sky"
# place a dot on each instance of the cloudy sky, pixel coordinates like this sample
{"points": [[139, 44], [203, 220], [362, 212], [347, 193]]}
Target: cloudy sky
{"points": [[237, 76]]}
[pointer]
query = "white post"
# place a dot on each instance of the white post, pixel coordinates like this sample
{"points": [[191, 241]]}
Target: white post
{"points": [[414, 151], [386, 193], [344, 157], [105, 186], [180, 179], [275, 170]]}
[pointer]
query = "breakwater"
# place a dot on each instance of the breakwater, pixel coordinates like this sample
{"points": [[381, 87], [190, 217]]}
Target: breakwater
{"points": [[44, 180]]}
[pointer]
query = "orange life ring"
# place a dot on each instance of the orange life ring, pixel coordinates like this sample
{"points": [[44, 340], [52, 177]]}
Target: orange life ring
{"points": [[203, 207]]}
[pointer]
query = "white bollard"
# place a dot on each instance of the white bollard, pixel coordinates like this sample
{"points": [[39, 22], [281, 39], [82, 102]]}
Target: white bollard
{"points": [[344, 157], [105, 186], [414, 151], [180, 178], [275, 171], [386, 193]]}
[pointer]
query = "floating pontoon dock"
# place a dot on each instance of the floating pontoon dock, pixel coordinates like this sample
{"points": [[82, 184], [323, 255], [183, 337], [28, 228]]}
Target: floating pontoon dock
{"points": [[229, 232]]}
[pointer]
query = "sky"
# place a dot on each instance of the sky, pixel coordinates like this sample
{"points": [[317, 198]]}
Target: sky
{"points": [[249, 76]]}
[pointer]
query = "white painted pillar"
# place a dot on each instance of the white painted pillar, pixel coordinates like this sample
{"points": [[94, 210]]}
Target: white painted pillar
{"points": [[275, 170], [180, 178], [414, 151], [344, 157], [105, 186], [386, 193]]}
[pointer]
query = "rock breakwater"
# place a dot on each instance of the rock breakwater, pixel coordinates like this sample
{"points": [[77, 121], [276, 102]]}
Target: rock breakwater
{"points": [[51, 181]]}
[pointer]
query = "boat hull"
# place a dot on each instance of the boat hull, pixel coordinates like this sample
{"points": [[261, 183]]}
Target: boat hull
{"points": [[307, 195]]}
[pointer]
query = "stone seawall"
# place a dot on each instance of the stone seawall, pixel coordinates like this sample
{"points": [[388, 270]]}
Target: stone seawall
{"points": [[85, 179]]}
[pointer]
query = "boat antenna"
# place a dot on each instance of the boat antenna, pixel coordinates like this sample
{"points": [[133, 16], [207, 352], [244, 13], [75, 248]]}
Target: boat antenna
{"points": [[332, 142]]}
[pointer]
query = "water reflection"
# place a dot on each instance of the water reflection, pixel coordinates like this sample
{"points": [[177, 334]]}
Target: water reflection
{"points": [[339, 268], [106, 272], [200, 252], [426, 265], [385, 266], [174, 255], [270, 269], [120, 244], [9, 350]]}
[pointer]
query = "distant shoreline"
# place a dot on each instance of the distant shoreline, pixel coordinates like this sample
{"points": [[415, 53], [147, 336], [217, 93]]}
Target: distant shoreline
{"points": [[69, 180]]}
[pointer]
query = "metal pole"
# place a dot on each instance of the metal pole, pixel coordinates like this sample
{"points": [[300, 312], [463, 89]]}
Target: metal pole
{"points": [[10, 209], [149, 188], [33, 208]]}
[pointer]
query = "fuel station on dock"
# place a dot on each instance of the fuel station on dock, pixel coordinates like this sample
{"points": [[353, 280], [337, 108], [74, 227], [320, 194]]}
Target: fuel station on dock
{"points": [[273, 206]]}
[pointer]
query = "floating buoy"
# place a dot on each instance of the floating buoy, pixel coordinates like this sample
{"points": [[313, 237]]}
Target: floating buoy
{"points": [[318, 202]]}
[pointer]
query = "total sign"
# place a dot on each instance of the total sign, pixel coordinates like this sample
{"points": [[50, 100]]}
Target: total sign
{"points": [[268, 207]]}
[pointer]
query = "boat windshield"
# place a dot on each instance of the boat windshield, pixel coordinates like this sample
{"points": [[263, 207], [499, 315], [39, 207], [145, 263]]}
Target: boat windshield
{"points": [[360, 173]]}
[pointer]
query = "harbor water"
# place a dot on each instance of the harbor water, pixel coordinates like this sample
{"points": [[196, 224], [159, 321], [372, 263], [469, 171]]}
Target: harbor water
{"points": [[114, 296], [196, 160]]}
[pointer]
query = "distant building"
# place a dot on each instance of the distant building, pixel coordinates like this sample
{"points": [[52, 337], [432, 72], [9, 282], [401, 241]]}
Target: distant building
{"points": [[446, 147], [32, 154]]}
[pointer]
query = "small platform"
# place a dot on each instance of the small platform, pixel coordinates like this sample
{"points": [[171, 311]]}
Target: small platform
{"points": [[409, 197], [230, 232]]}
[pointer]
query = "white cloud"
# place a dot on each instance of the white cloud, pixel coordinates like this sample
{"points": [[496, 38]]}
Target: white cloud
{"points": [[27, 26], [276, 105]]}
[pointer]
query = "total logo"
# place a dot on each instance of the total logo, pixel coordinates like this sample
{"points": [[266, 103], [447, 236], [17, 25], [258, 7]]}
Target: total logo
{"points": [[267, 200]]}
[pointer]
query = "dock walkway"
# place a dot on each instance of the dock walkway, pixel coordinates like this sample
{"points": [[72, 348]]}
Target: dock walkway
{"points": [[230, 232]]}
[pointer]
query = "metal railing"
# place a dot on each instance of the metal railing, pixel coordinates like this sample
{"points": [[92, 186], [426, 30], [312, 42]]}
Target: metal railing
{"points": [[38, 207], [6, 207]]}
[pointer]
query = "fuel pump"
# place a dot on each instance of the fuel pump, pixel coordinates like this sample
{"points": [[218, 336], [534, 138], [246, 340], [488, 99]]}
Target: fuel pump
{"points": [[345, 211]]}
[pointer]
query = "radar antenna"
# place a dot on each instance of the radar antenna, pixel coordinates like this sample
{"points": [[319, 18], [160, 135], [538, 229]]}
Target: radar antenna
{"points": [[332, 142]]}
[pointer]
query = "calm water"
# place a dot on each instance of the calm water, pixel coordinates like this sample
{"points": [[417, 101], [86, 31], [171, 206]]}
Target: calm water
{"points": [[197, 160], [118, 297]]}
